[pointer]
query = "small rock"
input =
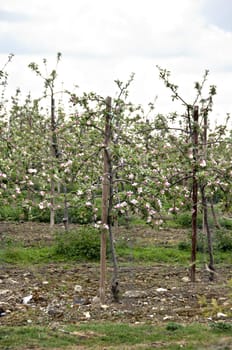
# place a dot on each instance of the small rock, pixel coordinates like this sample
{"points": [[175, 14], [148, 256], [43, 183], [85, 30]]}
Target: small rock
{"points": [[4, 291], [134, 293], [2, 312], [81, 301], [27, 299], [166, 317], [78, 288], [161, 290], [104, 307], [87, 315], [12, 281], [96, 300], [54, 311], [26, 274], [186, 279]]}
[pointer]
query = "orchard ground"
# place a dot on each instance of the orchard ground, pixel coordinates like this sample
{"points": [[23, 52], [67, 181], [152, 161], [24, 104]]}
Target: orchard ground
{"points": [[56, 293]]}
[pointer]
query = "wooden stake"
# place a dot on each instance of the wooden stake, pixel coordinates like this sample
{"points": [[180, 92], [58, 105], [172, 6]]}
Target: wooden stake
{"points": [[194, 193], [105, 201]]}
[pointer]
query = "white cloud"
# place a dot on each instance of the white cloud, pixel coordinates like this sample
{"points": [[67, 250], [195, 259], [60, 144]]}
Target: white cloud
{"points": [[106, 40], [218, 12]]}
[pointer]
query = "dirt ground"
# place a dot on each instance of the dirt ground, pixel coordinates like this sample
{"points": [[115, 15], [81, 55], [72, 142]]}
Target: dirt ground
{"points": [[67, 292]]}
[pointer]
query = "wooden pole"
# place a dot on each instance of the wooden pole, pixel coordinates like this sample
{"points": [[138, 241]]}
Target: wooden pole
{"points": [[194, 193], [105, 201], [53, 152]]}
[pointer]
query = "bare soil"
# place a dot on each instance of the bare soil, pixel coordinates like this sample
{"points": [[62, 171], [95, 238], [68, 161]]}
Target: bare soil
{"points": [[67, 292]]}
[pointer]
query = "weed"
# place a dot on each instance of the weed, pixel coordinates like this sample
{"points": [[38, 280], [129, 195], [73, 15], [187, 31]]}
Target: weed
{"points": [[184, 245], [226, 223], [223, 240], [184, 220], [10, 212], [221, 327], [173, 326], [83, 243]]}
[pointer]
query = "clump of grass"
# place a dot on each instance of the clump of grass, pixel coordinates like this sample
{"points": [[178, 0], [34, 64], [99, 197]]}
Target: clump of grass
{"points": [[173, 326], [226, 223], [223, 240], [80, 244], [221, 327], [184, 220]]}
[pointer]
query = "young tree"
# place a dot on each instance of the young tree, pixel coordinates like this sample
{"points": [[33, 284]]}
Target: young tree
{"points": [[193, 121]]}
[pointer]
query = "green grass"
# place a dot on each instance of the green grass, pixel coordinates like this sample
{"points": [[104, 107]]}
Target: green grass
{"points": [[38, 255], [27, 337], [155, 254], [29, 255], [114, 336]]}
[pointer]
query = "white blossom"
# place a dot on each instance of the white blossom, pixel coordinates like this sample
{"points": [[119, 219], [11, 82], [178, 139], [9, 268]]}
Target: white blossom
{"points": [[129, 193], [203, 163], [17, 190], [32, 171]]}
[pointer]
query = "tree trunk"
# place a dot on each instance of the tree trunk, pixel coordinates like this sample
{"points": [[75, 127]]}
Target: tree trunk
{"points": [[209, 234], [65, 218], [215, 220], [52, 205]]}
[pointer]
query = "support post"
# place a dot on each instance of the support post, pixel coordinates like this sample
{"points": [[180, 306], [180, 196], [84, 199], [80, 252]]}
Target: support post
{"points": [[194, 193], [105, 200]]}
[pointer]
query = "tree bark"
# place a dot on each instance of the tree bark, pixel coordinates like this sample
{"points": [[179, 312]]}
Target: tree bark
{"points": [[209, 234], [215, 219], [52, 205]]}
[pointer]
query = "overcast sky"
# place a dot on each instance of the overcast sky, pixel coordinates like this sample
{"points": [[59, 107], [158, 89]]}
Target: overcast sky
{"points": [[104, 40]]}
